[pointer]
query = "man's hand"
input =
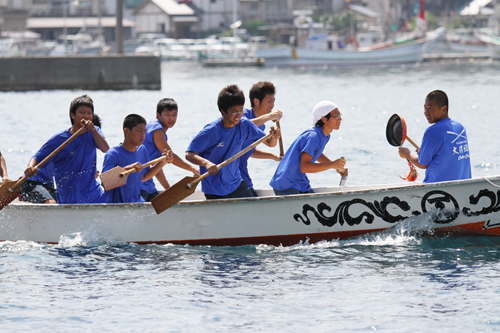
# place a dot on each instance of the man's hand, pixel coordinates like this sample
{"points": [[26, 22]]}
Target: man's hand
{"points": [[89, 126], [212, 169], [275, 115]]}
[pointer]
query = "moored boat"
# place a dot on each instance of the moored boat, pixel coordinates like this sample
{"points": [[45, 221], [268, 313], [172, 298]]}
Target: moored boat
{"points": [[457, 207]]}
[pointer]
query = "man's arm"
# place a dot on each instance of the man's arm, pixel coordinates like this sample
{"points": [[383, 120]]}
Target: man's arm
{"points": [[413, 158], [161, 144], [257, 153], [272, 141], [101, 142], [324, 163], [3, 169], [198, 160], [275, 115]]}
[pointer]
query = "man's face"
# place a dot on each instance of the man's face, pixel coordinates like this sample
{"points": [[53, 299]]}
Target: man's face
{"points": [[137, 134], [232, 115], [433, 112], [83, 112], [168, 118], [267, 103]]}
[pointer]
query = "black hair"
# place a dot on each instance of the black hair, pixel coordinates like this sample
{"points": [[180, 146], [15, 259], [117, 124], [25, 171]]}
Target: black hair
{"points": [[132, 120], [165, 104], [230, 96], [96, 120], [260, 90], [439, 97], [83, 100], [320, 122]]}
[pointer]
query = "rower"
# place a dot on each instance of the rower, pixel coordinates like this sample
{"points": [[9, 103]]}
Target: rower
{"points": [[75, 165], [305, 155], [221, 139]]}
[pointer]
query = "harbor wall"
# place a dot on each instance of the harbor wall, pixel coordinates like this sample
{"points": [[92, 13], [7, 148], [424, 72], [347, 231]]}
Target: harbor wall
{"points": [[113, 72]]}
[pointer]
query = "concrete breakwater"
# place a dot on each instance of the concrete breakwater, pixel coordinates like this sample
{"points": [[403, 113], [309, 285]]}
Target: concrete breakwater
{"points": [[114, 72]]}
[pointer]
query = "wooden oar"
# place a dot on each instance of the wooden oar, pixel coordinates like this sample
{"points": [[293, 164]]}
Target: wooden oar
{"points": [[10, 190], [186, 186], [117, 176], [282, 153]]}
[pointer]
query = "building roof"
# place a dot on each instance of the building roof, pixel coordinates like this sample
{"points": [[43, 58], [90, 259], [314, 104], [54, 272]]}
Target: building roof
{"points": [[364, 11], [478, 7], [74, 22], [172, 7]]}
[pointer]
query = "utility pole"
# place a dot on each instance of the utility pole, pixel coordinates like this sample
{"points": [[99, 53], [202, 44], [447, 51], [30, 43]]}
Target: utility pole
{"points": [[119, 26]]}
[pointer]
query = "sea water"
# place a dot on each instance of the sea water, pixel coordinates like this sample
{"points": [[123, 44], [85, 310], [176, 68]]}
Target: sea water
{"points": [[402, 279]]}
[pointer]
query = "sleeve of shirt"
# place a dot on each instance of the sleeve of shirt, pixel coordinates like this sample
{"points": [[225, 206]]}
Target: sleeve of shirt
{"points": [[109, 161], [200, 142], [254, 133], [310, 144], [429, 148], [52, 144]]}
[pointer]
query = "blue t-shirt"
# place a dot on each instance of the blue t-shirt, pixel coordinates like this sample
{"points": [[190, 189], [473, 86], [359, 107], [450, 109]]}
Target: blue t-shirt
{"points": [[249, 114], [119, 156], [288, 175], [45, 174], [74, 168], [152, 150], [445, 151], [217, 144]]}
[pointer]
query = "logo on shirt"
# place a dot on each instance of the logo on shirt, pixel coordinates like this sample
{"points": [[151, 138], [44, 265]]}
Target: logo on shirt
{"points": [[458, 136], [221, 144]]}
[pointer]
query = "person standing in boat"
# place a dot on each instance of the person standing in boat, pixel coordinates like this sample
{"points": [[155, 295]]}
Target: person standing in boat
{"points": [[262, 97], [444, 153], [3, 169], [219, 141], [75, 165], [131, 154], [156, 142], [305, 155]]}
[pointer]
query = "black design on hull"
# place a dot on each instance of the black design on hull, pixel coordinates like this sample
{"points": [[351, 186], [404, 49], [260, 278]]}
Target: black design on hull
{"points": [[342, 215]]}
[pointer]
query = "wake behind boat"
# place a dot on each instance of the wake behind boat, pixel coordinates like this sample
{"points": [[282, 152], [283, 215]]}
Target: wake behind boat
{"points": [[457, 207]]}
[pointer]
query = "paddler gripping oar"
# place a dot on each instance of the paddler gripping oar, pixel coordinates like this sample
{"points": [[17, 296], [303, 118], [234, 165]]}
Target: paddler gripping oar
{"points": [[9, 190], [187, 185]]}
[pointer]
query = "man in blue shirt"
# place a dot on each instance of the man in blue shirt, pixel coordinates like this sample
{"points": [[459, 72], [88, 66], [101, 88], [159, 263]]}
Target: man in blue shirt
{"points": [[262, 97], [444, 153], [219, 141], [305, 155], [75, 165], [131, 154], [156, 142]]}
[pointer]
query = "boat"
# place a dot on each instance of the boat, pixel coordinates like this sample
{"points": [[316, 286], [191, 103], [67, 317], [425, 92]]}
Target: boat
{"points": [[464, 207], [233, 62], [316, 45], [465, 40], [493, 41]]}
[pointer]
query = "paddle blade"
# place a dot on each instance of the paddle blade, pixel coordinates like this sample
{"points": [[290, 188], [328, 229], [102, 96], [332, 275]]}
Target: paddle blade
{"points": [[6, 197], [174, 194], [111, 179], [396, 130]]}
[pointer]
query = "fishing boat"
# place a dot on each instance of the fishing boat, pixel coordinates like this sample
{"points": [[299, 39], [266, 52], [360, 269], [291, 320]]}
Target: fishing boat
{"points": [[464, 207], [493, 41]]}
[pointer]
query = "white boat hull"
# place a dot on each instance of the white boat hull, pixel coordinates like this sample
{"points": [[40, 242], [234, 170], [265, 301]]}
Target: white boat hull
{"points": [[470, 207], [410, 52]]}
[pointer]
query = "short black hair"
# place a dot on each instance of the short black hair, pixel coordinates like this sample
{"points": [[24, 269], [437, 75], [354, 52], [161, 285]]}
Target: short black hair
{"points": [[132, 120], [320, 122], [166, 104], [260, 90], [230, 96], [96, 120], [439, 97], [83, 100]]}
